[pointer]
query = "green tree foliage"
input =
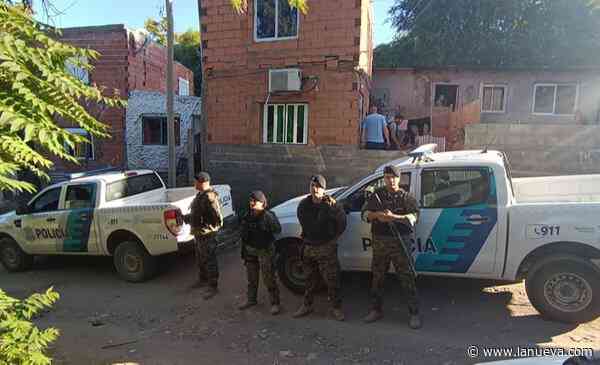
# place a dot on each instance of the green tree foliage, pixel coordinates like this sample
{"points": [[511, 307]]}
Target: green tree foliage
{"points": [[507, 33], [186, 52], [36, 90], [21, 342], [157, 29]]}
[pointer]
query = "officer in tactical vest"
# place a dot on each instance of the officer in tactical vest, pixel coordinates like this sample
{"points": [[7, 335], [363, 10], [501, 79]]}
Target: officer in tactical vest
{"points": [[258, 228], [392, 205], [206, 219], [323, 221]]}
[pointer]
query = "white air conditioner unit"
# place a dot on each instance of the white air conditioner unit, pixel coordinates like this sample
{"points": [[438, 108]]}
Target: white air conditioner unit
{"points": [[288, 79]]}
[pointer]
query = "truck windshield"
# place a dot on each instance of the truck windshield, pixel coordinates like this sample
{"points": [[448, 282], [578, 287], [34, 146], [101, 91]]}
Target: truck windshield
{"points": [[132, 185]]}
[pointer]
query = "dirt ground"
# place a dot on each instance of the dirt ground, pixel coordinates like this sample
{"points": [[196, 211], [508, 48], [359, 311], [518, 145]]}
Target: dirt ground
{"points": [[104, 320]]}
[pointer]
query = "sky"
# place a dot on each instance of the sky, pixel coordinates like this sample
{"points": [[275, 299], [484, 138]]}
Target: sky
{"points": [[132, 13]]}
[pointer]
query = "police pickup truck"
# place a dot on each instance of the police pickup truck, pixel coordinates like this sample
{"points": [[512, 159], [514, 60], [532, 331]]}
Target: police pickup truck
{"points": [[477, 222], [129, 215]]}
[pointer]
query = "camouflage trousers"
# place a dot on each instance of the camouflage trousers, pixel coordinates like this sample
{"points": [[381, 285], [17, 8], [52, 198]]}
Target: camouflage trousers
{"points": [[261, 263], [322, 262], [206, 259], [387, 250]]}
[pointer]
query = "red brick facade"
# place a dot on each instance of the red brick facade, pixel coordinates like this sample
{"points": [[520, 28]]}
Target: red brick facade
{"points": [[328, 48], [123, 65]]}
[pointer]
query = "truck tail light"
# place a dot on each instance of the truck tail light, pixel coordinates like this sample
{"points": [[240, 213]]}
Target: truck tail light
{"points": [[173, 221]]}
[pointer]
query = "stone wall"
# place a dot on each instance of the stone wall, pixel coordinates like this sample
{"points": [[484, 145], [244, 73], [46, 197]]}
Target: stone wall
{"points": [[541, 149], [283, 172], [155, 157]]}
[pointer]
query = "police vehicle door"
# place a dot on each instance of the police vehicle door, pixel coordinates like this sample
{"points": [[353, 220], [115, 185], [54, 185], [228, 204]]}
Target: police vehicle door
{"points": [[40, 226], [457, 231], [78, 220], [355, 246]]}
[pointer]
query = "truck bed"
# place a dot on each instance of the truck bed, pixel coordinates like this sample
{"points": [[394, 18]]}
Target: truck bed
{"points": [[179, 197], [558, 189]]}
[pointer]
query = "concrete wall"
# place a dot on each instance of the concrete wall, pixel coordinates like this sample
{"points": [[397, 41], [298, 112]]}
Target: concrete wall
{"points": [[153, 103], [541, 149], [410, 90], [402, 90], [283, 171]]}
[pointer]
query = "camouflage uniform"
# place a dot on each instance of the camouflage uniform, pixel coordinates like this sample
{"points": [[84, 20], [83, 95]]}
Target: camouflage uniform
{"points": [[322, 261], [386, 247], [257, 252], [322, 224], [206, 219]]}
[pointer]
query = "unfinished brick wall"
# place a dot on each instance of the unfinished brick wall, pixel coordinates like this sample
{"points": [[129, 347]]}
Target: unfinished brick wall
{"points": [[148, 68], [328, 48], [235, 106], [123, 65], [110, 71]]}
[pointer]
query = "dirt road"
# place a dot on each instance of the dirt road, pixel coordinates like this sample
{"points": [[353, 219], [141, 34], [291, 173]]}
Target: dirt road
{"points": [[104, 320]]}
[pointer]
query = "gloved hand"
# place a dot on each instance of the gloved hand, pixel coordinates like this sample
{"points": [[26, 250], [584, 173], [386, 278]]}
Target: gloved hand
{"points": [[329, 200]]}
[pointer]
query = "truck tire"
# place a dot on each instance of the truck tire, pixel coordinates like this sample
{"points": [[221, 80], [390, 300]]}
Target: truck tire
{"points": [[13, 258], [133, 262], [289, 268], [565, 289]]}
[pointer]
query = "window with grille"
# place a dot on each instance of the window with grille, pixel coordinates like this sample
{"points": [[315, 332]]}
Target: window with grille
{"points": [[285, 123]]}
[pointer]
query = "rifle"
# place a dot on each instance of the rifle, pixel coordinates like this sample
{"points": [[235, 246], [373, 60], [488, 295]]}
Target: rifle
{"points": [[409, 258]]}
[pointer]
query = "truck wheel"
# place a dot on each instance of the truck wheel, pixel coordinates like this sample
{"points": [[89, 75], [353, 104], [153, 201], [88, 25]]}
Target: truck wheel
{"points": [[565, 289], [13, 258], [134, 263], [290, 270]]}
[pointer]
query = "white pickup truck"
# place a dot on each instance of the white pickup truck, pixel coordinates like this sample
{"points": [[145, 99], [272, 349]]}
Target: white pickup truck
{"points": [[476, 221], [129, 215]]}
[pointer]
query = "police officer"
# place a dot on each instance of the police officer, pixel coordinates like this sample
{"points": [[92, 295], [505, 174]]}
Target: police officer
{"points": [[391, 205], [322, 221], [206, 219], [258, 227]]}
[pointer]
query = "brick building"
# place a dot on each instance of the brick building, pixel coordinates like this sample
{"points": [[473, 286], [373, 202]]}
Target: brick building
{"points": [[286, 93], [128, 62]]}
